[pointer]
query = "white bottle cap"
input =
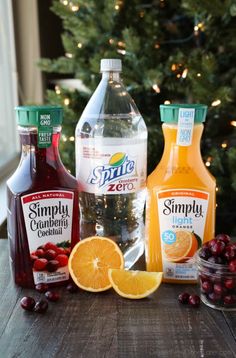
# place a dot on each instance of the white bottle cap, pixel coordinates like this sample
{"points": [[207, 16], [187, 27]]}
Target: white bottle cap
{"points": [[110, 64]]}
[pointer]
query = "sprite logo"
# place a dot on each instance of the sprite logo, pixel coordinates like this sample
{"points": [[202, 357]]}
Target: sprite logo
{"points": [[119, 165]]}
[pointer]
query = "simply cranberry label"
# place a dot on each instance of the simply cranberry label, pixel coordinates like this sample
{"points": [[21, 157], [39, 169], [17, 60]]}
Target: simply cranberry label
{"points": [[48, 222], [111, 165]]}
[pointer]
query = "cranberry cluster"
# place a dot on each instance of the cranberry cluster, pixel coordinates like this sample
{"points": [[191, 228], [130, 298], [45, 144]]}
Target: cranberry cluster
{"points": [[186, 298], [217, 271], [29, 304], [49, 257]]}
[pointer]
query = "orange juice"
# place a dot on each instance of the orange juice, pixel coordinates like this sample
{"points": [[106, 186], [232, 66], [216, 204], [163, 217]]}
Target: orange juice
{"points": [[180, 213]]}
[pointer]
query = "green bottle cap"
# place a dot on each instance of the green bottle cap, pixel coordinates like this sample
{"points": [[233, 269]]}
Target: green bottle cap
{"points": [[170, 112], [42, 117], [36, 116]]}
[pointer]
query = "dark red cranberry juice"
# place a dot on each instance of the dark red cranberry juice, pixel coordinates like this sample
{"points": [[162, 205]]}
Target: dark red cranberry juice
{"points": [[42, 209]]}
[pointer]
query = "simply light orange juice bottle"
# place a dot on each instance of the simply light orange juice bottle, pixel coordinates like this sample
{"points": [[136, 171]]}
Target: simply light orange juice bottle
{"points": [[180, 213]]}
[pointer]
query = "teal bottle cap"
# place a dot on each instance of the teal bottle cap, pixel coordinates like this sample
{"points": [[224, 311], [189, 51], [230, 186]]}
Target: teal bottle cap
{"points": [[39, 116], [42, 117], [170, 112]]}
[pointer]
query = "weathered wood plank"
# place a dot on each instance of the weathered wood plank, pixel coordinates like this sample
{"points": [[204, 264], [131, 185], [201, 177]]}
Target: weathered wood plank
{"points": [[105, 325]]}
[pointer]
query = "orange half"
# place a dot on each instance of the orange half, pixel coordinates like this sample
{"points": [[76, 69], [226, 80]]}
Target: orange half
{"points": [[134, 284], [183, 248], [90, 261]]}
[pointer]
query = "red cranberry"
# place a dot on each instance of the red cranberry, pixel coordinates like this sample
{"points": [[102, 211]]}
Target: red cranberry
{"points": [[67, 251], [232, 266], [205, 253], [229, 283], [207, 286], [50, 254], [183, 298], [217, 248], [60, 251], [33, 257], [27, 303], [214, 297], [229, 299], [72, 288], [50, 246], [52, 296], [62, 259], [41, 306], [41, 287], [41, 247], [39, 252], [40, 264], [194, 300], [219, 289], [203, 277], [223, 237], [230, 252], [212, 242], [52, 265]]}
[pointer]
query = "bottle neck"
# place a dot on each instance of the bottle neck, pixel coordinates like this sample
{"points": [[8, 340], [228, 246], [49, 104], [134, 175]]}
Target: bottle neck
{"points": [[176, 155], [111, 76], [41, 156]]}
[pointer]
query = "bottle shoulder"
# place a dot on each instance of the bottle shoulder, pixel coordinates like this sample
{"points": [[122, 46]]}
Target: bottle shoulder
{"points": [[23, 181], [181, 176]]}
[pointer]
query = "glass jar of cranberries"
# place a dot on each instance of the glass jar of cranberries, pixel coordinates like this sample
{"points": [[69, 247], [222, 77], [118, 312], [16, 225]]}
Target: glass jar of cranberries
{"points": [[217, 273]]}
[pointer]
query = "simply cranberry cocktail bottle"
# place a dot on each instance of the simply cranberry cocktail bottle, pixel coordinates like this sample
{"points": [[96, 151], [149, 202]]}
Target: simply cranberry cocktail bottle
{"points": [[42, 202]]}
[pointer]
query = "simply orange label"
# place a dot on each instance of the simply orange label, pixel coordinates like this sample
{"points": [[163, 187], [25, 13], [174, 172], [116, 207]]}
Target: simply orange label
{"points": [[182, 218]]}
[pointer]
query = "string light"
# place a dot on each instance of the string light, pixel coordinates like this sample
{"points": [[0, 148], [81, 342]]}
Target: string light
{"points": [[72, 139], [173, 67], [224, 145], [57, 90], [141, 14], [157, 45], [121, 44], [156, 88], [199, 26], [167, 102], [65, 2], [198, 74], [217, 189], [233, 123], [64, 138], [66, 101], [111, 41], [79, 45], [122, 52], [74, 8], [216, 103], [178, 75], [68, 55], [208, 162], [117, 7], [185, 73]]}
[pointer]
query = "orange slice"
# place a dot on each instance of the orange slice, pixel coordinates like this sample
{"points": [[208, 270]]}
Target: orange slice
{"points": [[90, 261], [134, 284], [183, 248]]}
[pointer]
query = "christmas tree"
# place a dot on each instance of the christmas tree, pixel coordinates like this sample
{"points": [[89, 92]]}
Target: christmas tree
{"points": [[172, 52]]}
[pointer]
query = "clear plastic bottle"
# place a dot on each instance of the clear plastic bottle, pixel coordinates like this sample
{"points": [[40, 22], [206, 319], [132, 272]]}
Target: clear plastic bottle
{"points": [[111, 156]]}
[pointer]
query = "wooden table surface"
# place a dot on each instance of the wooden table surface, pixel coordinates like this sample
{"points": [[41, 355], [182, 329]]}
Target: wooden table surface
{"points": [[105, 325]]}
